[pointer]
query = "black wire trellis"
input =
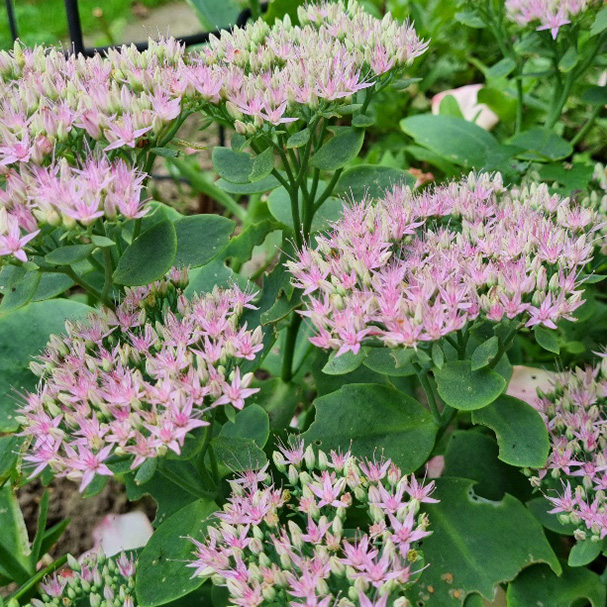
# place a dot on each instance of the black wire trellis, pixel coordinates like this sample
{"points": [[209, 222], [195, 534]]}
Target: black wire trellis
{"points": [[74, 25]]}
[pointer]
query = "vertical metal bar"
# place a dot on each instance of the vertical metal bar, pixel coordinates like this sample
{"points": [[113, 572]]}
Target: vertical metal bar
{"points": [[12, 23], [74, 26]]}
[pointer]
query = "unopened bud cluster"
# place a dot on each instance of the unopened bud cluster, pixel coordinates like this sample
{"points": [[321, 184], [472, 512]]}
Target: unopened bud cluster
{"points": [[327, 530], [135, 381], [575, 477], [413, 267], [96, 580]]}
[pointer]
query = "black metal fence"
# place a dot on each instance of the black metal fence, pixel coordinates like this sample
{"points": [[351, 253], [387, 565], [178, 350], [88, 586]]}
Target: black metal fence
{"points": [[74, 25]]}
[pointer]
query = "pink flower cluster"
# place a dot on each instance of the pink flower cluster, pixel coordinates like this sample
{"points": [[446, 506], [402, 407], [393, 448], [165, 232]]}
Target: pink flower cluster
{"points": [[135, 381], [575, 477], [287, 541], [62, 195], [414, 267], [97, 580], [551, 14], [51, 103], [271, 74]]}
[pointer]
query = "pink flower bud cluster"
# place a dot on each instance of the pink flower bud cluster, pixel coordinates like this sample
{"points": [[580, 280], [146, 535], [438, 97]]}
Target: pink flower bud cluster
{"points": [[51, 103], [414, 267], [96, 580], [575, 477], [551, 14], [135, 381], [289, 540], [61, 195], [272, 73]]}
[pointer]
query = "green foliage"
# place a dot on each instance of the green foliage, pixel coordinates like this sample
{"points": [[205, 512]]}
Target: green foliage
{"points": [[346, 363], [236, 454], [477, 544], [215, 14], [149, 257], [547, 339], [584, 552], [200, 238], [461, 142], [279, 204], [368, 416], [9, 449], [161, 572], [464, 389], [14, 543], [68, 255], [371, 180], [30, 328], [484, 353], [540, 586], [336, 153], [542, 145], [242, 168], [250, 423], [20, 291], [521, 433], [472, 454]]}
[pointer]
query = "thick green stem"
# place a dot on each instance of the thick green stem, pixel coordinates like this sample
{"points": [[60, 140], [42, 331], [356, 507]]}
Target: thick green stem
{"points": [[587, 125], [255, 9], [109, 270], [504, 346], [424, 380], [289, 349], [89, 288]]}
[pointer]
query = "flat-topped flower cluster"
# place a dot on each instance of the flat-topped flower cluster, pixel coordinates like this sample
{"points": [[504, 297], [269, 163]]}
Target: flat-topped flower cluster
{"points": [[277, 74], [550, 14], [135, 381], [575, 477], [96, 580], [414, 267], [61, 195], [293, 540], [124, 106]]}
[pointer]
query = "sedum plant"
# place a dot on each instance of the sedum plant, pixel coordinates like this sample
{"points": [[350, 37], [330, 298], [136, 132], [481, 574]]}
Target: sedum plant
{"points": [[289, 542], [329, 388]]}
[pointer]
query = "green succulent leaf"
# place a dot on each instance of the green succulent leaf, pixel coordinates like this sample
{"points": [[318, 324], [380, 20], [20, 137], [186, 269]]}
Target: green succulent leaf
{"points": [[484, 353], [540, 586], [521, 433], [149, 257], [546, 338], [250, 423], [464, 389], [371, 180], [368, 416], [200, 238], [346, 363], [460, 142], [343, 147], [584, 552], [161, 572], [477, 544], [31, 328], [69, 255]]}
